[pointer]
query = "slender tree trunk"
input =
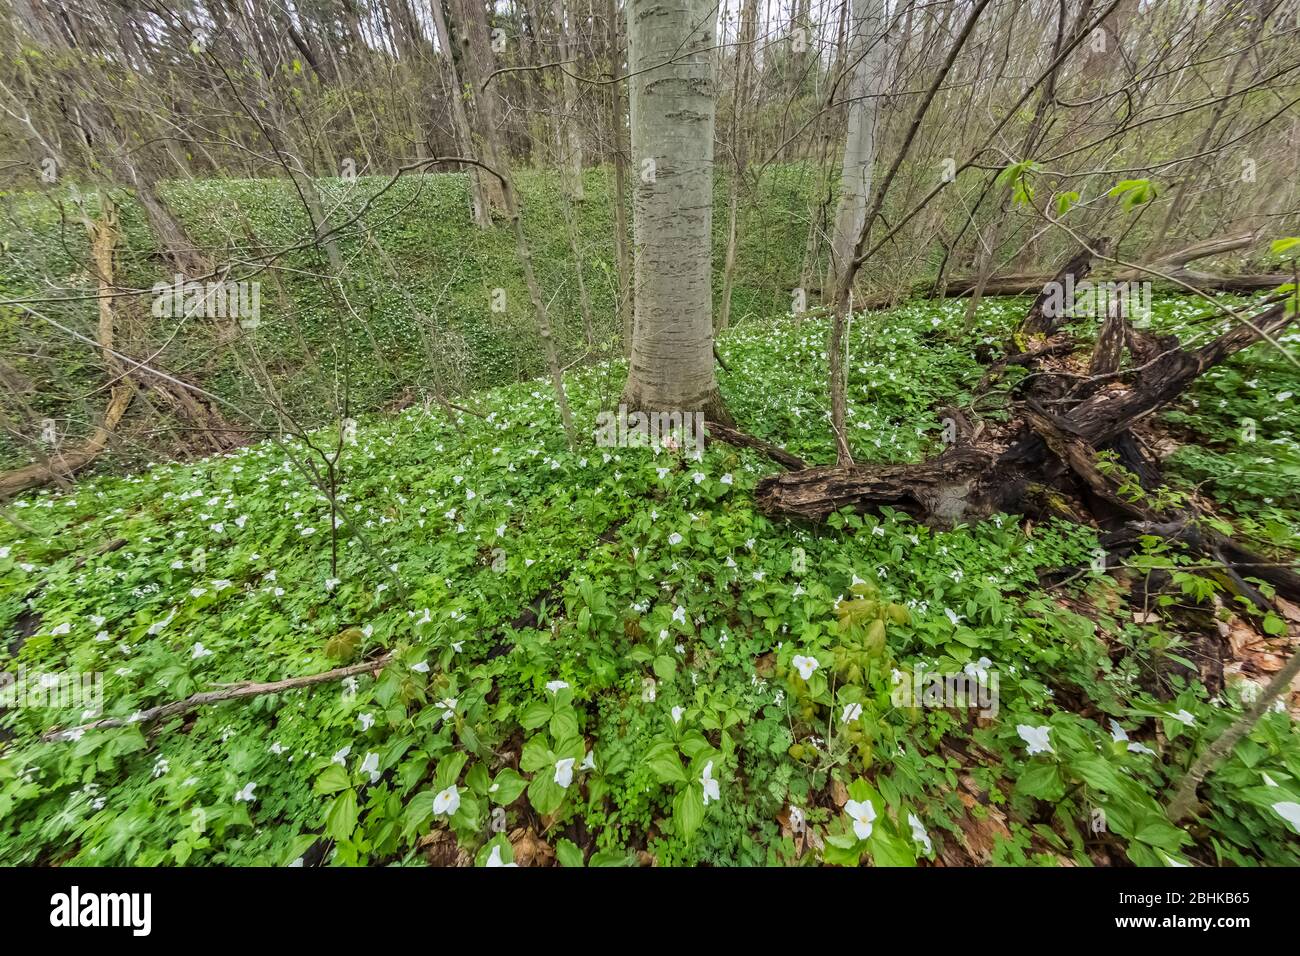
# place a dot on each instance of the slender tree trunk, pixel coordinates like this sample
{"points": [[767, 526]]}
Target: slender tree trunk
{"points": [[671, 64], [618, 139], [460, 119], [739, 144], [869, 51]]}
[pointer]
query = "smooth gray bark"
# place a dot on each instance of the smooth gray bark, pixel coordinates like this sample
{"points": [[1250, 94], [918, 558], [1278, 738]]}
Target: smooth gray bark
{"points": [[671, 63]]}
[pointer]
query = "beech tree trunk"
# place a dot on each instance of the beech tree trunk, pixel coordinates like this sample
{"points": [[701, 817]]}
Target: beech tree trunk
{"points": [[671, 63], [868, 49]]}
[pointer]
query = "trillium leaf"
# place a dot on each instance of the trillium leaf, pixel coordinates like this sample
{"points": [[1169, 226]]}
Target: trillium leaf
{"points": [[418, 813], [509, 785], [332, 780], [1041, 781], [536, 755], [667, 768], [887, 849], [449, 768], [688, 810], [665, 667], [568, 853], [564, 724], [477, 778], [544, 793], [341, 817], [534, 715]]}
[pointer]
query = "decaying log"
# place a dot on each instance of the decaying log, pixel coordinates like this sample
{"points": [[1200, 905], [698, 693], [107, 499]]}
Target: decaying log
{"points": [[234, 692], [733, 436], [1048, 312], [1058, 428]]}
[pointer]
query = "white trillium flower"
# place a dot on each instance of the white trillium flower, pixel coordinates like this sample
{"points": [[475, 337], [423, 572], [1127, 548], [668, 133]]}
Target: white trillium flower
{"points": [[446, 803], [370, 765], [1185, 717], [589, 761], [850, 713], [862, 813], [246, 795], [199, 651], [805, 665], [677, 714], [1035, 738], [367, 721], [674, 539], [918, 832], [564, 771], [711, 791], [340, 757], [494, 858], [1290, 812], [556, 686], [60, 629]]}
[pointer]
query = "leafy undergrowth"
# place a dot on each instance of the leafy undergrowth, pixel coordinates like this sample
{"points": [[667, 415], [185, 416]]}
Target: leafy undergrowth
{"points": [[609, 656]]}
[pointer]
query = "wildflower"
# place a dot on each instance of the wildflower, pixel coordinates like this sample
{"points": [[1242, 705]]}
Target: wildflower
{"points": [[446, 708], [679, 615], [1185, 717], [340, 756], [711, 791], [246, 795], [199, 651], [918, 832], [421, 668], [1035, 738], [494, 858], [805, 665], [674, 539], [370, 765], [850, 713], [556, 686], [447, 802], [677, 714], [589, 761], [367, 721], [564, 771], [726, 479], [862, 813], [1290, 812]]}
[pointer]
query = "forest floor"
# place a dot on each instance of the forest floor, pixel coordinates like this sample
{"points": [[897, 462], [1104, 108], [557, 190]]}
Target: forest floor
{"points": [[611, 657]]}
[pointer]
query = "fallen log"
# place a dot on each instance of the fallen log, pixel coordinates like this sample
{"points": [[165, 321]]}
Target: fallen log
{"points": [[233, 692]]}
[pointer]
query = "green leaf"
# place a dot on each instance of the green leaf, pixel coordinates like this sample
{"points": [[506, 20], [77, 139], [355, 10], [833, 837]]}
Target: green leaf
{"points": [[1283, 244], [332, 780], [341, 817], [534, 715], [688, 810], [507, 787], [1064, 202], [667, 767], [567, 852], [1042, 780]]}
